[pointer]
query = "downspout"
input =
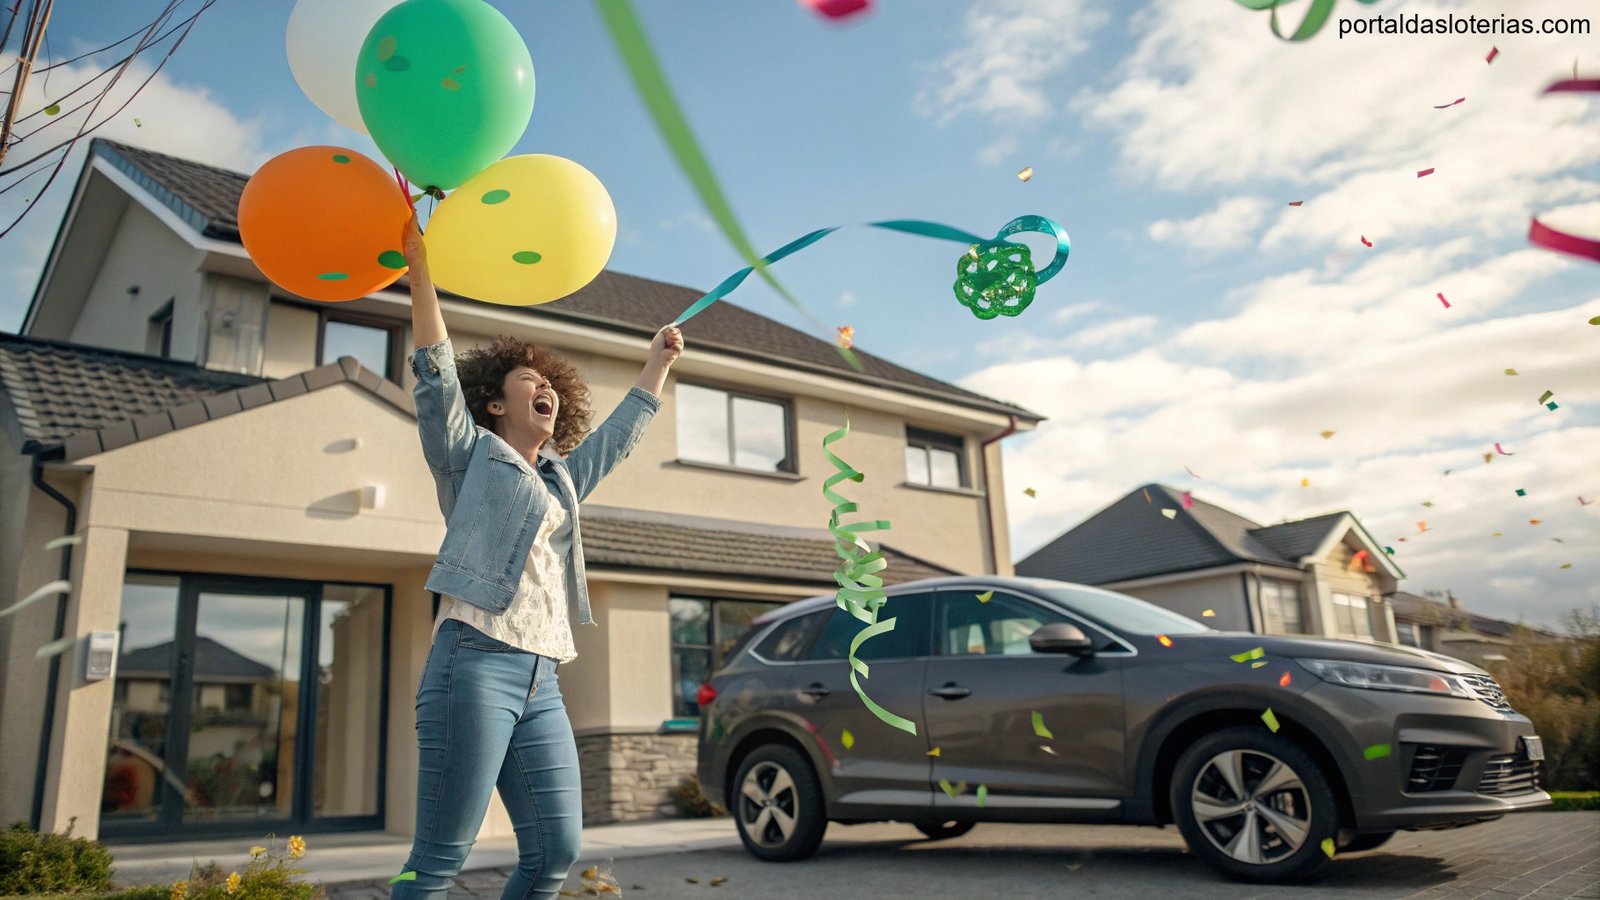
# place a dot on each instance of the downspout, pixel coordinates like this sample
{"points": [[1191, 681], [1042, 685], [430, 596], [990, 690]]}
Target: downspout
{"points": [[988, 498], [61, 624], [1249, 607]]}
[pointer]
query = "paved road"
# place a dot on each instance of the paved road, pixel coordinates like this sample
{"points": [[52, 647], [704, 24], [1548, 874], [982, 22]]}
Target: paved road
{"points": [[1538, 855]]}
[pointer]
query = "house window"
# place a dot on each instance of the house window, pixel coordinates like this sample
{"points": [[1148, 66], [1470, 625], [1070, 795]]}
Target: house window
{"points": [[935, 460], [1280, 607], [371, 342], [1413, 635], [726, 429], [237, 697], [703, 633], [158, 334], [1351, 615]]}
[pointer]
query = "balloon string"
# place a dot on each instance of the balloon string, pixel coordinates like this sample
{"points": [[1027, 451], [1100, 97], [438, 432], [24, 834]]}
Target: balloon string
{"points": [[401, 180]]}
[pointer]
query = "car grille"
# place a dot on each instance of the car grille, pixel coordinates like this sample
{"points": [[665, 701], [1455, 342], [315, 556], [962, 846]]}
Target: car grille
{"points": [[1435, 768], [1507, 775], [1488, 691]]}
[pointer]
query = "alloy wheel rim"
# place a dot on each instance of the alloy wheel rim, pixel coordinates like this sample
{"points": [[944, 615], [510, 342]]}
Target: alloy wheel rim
{"points": [[768, 804], [1252, 806]]}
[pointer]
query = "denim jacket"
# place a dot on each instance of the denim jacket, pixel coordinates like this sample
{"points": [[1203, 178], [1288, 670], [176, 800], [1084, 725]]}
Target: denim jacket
{"points": [[491, 506]]}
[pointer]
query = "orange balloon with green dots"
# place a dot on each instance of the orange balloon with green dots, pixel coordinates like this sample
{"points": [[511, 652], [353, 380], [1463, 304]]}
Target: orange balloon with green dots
{"points": [[324, 223], [527, 230]]}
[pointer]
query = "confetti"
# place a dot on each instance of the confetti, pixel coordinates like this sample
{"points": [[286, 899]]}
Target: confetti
{"points": [[1422, 525], [847, 336], [1422, 173], [983, 795], [1428, 503], [1258, 664], [1191, 472], [1147, 495], [1543, 235], [1284, 679], [1595, 321], [1535, 521], [1165, 641], [1030, 492], [1327, 434], [54, 587], [1522, 492], [1327, 847], [1511, 371], [1566, 565], [1365, 241], [64, 542], [1270, 719], [1389, 550], [1209, 614], [952, 789], [137, 123], [1170, 513], [1456, 102], [403, 876], [986, 596], [1377, 751], [1446, 472], [1039, 729], [718, 881], [837, 9], [1443, 300], [1551, 406], [1296, 202], [933, 752], [1248, 655], [1188, 500], [692, 880], [55, 648], [1546, 396], [1493, 52], [1026, 174], [1049, 750], [1488, 457], [1499, 534], [847, 739], [1305, 482], [52, 109], [1501, 450], [1583, 502]]}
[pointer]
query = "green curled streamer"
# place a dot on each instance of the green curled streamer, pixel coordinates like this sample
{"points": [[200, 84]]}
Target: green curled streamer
{"points": [[1315, 18], [861, 591]]}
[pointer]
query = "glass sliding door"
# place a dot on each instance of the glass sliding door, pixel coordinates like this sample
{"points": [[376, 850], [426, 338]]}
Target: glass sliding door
{"points": [[141, 709]]}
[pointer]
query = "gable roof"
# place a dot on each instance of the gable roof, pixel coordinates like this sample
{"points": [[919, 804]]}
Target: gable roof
{"points": [[211, 660], [1133, 538], [75, 401], [1427, 611], [207, 198]]}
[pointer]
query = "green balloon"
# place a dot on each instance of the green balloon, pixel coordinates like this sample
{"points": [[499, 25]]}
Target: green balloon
{"points": [[445, 87]]}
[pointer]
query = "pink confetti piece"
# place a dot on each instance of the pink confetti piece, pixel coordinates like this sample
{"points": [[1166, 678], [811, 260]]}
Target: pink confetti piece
{"points": [[1543, 235], [1580, 85], [1296, 202], [1583, 502], [1443, 300], [1424, 172], [1191, 472], [1188, 500], [1501, 450], [837, 9], [1493, 52], [1365, 241], [1457, 102]]}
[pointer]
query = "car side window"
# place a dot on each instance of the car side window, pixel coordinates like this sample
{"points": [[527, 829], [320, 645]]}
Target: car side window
{"points": [[913, 613], [785, 642], [998, 626]]}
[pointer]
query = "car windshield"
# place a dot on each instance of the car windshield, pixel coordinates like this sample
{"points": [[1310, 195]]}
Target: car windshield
{"points": [[1121, 612]]}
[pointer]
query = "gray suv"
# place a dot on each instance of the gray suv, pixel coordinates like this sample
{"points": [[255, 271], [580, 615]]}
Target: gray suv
{"points": [[1041, 701]]}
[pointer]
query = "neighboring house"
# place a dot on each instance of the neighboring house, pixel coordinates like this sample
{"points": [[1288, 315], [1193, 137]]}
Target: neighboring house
{"points": [[1444, 627], [242, 472], [1321, 576]]}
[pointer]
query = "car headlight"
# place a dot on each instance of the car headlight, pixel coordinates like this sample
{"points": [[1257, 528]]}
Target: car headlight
{"points": [[1386, 678]]}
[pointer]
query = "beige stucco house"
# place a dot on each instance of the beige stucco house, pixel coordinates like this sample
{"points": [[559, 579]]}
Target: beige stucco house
{"points": [[1320, 576], [255, 523]]}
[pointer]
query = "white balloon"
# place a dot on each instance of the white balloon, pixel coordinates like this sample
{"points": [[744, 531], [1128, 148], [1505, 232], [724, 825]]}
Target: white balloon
{"points": [[323, 40]]}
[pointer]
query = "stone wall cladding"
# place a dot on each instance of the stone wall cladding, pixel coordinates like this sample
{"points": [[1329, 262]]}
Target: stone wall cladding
{"points": [[626, 777]]}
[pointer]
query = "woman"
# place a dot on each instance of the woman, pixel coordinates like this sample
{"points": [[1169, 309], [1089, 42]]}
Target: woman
{"points": [[510, 578]]}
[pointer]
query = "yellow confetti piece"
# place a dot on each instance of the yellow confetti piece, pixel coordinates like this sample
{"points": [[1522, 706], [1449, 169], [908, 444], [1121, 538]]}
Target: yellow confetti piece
{"points": [[847, 739], [1039, 729], [1165, 641], [1511, 371], [986, 596], [933, 752], [1566, 565], [1170, 513], [1535, 521], [1270, 719], [718, 881], [1258, 664], [1377, 751], [1327, 847], [952, 790], [1209, 614], [847, 335], [1326, 435], [590, 872], [1049, 750], [1499, 534], [1428, 503], [1026, 173], [1246, 656], [137, 123], [1305, 482], [983, 795], [1030, 492], [52, 109], [1546, 396]]}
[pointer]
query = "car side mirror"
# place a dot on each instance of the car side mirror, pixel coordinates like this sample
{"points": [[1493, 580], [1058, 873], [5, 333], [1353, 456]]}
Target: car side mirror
{"points": [[1059, 637]]}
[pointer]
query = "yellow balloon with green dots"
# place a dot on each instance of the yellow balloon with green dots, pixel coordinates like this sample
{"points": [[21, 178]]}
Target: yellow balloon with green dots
{"points": [[527, 230]]}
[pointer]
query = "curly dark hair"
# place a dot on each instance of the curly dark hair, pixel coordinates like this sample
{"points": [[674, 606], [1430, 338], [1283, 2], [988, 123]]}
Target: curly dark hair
{"points": [[483, 370]]}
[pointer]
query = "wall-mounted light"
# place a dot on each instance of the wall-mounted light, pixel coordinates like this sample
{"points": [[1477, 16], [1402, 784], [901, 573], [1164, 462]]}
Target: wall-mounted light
{"points": [[372, 496]]}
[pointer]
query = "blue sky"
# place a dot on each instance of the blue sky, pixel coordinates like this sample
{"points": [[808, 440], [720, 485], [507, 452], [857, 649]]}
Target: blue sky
{"points": [[1201, 323]]}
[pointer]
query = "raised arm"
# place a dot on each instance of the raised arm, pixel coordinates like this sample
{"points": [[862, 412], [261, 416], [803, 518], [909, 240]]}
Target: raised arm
{"points": [[447, 430], [611, 443]]}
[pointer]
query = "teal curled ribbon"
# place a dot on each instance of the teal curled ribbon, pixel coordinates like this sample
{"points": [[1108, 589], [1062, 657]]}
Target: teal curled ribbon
{"points": [[1041, 224], [1315, 18], [861, 591]]}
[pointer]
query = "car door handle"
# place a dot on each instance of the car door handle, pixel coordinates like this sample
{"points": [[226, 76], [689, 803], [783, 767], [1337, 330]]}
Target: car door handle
{"points": [[951, 691], [815, 690]]}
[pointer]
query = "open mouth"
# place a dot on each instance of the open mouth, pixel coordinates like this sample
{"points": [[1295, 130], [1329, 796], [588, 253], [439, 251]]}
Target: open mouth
{"points": [[543, 406]]}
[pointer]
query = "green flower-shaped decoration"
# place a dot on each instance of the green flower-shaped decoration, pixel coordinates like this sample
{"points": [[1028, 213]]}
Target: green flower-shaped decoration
{"points": [[997, 280]]}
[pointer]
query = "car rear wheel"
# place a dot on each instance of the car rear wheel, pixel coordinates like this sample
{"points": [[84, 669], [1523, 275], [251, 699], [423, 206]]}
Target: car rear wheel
{"points": [[943, 831], [778, 805], [1372, 840], [1254, 805]]}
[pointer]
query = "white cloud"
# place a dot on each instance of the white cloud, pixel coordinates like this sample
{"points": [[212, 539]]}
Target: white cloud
{"points": [[847, 298], [1228, 224]]}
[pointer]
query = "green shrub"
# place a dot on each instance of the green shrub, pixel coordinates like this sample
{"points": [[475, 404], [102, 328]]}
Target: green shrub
{"points": [[33, 863], [270, 875], [691, 802], [1570, 801]]}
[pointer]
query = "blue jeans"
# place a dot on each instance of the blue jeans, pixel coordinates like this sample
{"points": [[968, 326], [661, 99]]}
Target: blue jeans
{"points": [[487, 715]]}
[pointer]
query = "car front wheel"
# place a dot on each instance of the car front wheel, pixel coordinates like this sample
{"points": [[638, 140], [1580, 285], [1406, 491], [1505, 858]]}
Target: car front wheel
{"points": [[778, 805], [1254, 805]]}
